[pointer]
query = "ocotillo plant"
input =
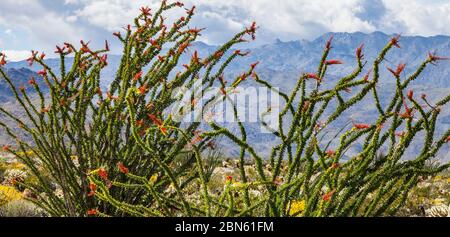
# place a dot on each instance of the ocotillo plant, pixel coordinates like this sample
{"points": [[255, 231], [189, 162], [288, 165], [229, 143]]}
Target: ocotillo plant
{"points": [[316, 181], [77, 129], [119, 153]]}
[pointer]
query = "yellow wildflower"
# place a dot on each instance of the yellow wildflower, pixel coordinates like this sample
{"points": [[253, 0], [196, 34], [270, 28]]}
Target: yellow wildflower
{"points": [[437, 178], [297, 207], [28, 153], [8, 194], [153, 179], [237, 185], [438, 201]]}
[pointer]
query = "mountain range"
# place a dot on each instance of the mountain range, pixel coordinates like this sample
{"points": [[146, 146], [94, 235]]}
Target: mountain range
{"points": [[282, 62]]}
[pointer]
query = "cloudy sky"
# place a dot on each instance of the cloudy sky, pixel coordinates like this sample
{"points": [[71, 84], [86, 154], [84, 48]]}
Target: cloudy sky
{"points": [[41, 24]]}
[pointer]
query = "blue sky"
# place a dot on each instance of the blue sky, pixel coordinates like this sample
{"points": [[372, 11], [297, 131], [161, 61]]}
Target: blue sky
{"points": [[41, 24]]}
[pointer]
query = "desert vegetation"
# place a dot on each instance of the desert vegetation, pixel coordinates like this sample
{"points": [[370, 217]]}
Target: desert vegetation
{"points": [[121, 152]]}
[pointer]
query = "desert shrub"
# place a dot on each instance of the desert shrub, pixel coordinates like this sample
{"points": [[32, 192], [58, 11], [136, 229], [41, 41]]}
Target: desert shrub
{"points": [[122, 153], [20, 208]]}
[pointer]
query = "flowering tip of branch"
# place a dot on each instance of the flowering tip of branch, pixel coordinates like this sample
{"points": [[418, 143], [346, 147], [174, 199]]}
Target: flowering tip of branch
{"points": [[2, 60], [42, 56], [122, 168], [32, 81], [328, 196], [142, 90], [31, 59], [408, 112], [398, 70], [400, 134], [359, 53], [366, 77], [240, 53], [195, 57], [104, 59], [252, 30], [42, 72], [394, 41], [335, 165], [328, 43], [312, 76], [106, 45], [253, 65], [410, 94], [195, 31], [103, 174], [448, 139], [330, 153], [117, 34], [137, 76], [179, 4], [146, 11], [360, 126], [6, 148], [333, 62], [155, 120], [190, 11], [183, 47], [59, 50], [432, 57], [92, 212]]}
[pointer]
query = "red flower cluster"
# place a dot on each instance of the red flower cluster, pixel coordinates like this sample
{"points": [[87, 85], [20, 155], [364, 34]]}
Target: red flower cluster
{"points": [[252, 30], [32, 81], [398, 70], [330, 153], [312, 76], [361, 126], [410, 94], [42, 72], [92, 188], [359, 54], [335, 165], [92, 212], [328, 43], [122, 168], [146, 11], [240, 53], [395, 40], [103, 174], [85, 47], [137, 76], [328, 196], [333, 62], [6, 148], [2, 60], [31, 59], [143, 89], [408, 111]]}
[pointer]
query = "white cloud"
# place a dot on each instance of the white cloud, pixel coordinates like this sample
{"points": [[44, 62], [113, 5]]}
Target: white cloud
{"points": [[418, 17], [16, 55], [72, 20], [41, 26]]}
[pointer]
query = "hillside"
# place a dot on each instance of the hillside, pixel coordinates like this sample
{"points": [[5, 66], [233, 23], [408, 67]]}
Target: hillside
{"points": [[282, 62]]}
